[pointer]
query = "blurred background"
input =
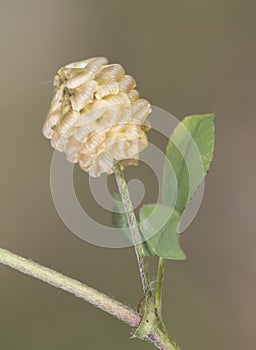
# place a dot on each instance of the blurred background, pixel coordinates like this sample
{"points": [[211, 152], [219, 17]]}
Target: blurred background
{"points": [[188, 57]]}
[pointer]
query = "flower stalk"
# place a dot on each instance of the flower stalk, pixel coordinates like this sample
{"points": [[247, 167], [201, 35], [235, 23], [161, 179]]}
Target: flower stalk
{"points": [[133, 226]]}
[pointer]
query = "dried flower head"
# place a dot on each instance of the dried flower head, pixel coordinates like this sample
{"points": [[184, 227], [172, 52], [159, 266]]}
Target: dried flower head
{"points": [[96, 116]]}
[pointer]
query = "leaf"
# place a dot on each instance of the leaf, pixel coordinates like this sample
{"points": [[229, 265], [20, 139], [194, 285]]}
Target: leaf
{"points": [[188, 157], [160, 222], [189, 153]]}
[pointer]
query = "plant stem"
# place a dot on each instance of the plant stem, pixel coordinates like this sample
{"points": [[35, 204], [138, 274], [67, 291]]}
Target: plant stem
{"points": [[157, 334], [161, 340], [152, 327], [80, 290], [133, 226], [159, 285]]}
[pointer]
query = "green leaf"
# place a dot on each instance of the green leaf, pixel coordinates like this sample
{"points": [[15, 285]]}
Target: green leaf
{"points": [[188, 157], [160, 222], [189, 153]]}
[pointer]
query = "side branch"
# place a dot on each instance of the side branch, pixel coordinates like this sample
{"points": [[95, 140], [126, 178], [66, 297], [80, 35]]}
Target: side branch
{"points": [[80, 290], [158, 335]]}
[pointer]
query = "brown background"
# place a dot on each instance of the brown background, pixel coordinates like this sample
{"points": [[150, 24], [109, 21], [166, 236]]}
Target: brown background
{"points": [[188, 57]]}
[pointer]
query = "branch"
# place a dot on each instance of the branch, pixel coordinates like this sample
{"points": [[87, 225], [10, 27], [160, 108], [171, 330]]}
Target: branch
{"points": [[158, 335], [80, 290]]}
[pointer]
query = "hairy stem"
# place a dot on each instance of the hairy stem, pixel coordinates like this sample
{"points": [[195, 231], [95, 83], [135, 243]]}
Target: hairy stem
{"points": [[159, 285], [151, 326], [80, 290], [161, 340], [157, 334], [133, 226]]}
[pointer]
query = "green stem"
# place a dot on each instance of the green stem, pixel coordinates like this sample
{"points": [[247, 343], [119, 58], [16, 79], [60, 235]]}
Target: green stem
{"points": [[161, 340], [133, 226], [152, 327], [159, 285]]}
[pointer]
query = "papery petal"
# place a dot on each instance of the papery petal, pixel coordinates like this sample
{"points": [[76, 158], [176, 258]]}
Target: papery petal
{"points": [[133, 95], [127, 83], [83, 95], [111, 72], [107, 89]]}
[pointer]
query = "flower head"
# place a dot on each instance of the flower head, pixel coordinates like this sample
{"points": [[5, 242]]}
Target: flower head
{"points": [[96, 116]]}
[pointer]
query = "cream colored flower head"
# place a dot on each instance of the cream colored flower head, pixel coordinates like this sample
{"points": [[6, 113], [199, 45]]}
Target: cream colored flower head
{"points": [[96, 116]]}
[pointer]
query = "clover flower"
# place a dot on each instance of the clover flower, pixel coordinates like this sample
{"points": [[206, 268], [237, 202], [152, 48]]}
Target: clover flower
{"points": [[96, 116]]}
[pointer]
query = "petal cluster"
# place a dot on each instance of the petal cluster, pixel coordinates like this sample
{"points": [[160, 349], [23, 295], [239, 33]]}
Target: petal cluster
{"points": [[96, 116]]}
